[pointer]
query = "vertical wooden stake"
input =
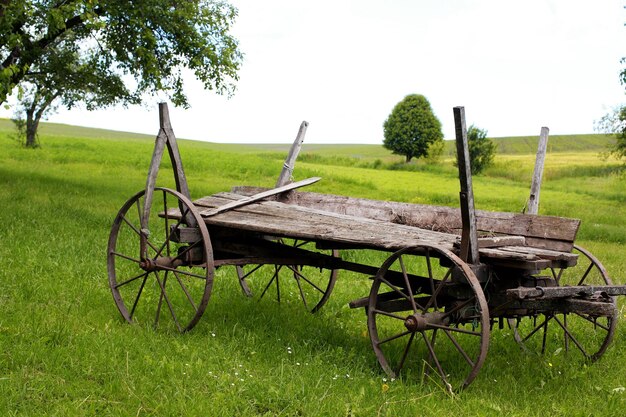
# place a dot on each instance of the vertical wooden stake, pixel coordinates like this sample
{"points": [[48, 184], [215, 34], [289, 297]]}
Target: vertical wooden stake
{"points": [[285, 174], [164, 138], [535, 186], [469, 237]]}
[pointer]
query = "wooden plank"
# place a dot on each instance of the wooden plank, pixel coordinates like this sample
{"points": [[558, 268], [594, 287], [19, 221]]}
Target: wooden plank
{"points": [[596, 308], [260, 196], [521, 293], [551, 232], [569, 258], [535, 186]]}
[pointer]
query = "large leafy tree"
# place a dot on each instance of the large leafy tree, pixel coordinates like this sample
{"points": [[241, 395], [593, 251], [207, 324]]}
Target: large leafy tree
{"points": [[412, 128], [148, 43]]}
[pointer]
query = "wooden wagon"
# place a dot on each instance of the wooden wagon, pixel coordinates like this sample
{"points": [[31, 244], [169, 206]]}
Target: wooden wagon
{"points": [[446, 275]]}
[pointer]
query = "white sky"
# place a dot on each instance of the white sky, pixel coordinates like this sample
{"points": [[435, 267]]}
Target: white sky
{"points": [[343, 64]]}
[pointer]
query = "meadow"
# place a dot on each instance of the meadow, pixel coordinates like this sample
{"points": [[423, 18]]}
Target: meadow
{"points": [[65, 351]]}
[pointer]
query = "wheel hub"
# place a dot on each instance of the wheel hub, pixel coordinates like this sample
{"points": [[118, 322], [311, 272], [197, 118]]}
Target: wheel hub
{"points": [[415, 323], [421, 322]]}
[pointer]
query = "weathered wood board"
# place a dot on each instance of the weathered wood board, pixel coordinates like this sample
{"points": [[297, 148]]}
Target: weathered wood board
{"points": [[549, 232]]}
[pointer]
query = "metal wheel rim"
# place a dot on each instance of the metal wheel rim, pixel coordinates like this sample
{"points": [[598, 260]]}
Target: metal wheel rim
{"points": [[199, 305], [482, 336]]}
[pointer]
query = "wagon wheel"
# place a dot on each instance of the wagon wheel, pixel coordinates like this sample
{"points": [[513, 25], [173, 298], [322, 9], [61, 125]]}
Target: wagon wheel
{"points": [[310, 284], [553, 331], [427, 315], [170, 285]]}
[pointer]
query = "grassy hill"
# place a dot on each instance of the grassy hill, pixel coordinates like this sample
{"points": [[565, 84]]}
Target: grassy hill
{"points": [[65, 351], [516, 145]]}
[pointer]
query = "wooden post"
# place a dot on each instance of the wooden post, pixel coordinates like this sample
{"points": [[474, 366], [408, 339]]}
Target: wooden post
{"points": [[535, 186], [285, 174], [469, 237]]}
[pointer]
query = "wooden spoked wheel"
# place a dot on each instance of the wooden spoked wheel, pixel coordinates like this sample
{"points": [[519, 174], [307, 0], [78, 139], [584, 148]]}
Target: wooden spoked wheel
{"points": [[170, 283], [311, 285], [427, 316], [552, 332]]}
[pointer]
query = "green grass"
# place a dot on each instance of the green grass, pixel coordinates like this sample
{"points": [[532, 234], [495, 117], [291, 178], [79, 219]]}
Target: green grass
{"points": [[65, 351]]}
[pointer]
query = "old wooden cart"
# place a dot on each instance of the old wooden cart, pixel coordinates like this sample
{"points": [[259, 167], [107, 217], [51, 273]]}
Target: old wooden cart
{"points": [[447, 277]]}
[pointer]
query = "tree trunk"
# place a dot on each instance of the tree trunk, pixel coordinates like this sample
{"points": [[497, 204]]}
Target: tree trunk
{"points": [[408, 158], [34, 114], [32, 123]]}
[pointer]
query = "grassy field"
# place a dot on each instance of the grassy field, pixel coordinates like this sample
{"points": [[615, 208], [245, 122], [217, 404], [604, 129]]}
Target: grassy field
{"points": [[64, 350]]}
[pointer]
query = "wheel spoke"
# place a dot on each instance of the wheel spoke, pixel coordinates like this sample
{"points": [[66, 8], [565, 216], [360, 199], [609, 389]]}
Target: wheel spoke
{"points": [[184, 288], [431, 279], [278, 268], [433, 356], [187, 249], [160, 303], [405, 353], [137, 261], [128, 281], [167, 240], [167, 228], [408, 284], [169, 304], [585, 274], [299, 274], [274, 277], [180, 271], [137, 231], [594, 322], [536, 329], [247, 274], [143, 283], [297, 278], [384, 313], [455, 329], [394, 337], [438, 290], [396, 289], [571, 336], [458, 347]]}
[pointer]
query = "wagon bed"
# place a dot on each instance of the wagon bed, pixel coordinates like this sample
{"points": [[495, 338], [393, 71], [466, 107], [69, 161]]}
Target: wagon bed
{"points": [[343, 231]]}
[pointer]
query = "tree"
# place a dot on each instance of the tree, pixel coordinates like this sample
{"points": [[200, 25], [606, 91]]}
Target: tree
{"points": [[148, 42], [614, 122], [412, 128], [481, 149], [70, 76]]}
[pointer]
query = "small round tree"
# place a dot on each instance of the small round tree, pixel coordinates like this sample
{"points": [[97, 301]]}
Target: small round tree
{"points": [[481, 149], [412, 128]]}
